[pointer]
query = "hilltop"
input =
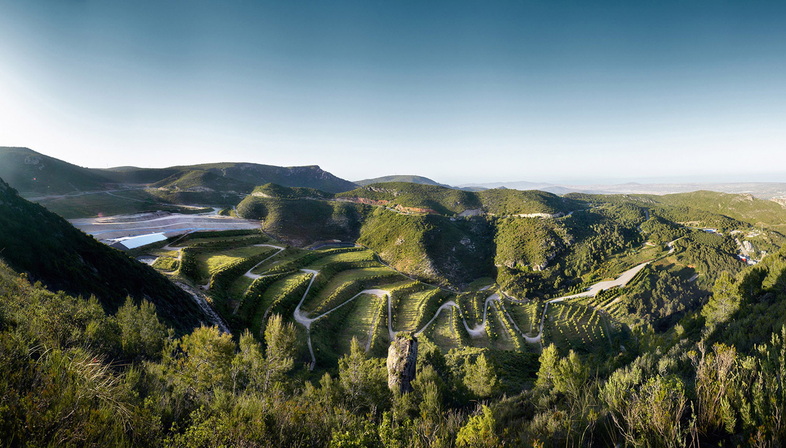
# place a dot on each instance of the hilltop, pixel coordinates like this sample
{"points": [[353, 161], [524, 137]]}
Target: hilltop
{"points": [[450, 201], [409, 178]]}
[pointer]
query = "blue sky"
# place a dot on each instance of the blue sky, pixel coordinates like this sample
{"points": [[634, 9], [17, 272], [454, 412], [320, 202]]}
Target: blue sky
{"points": [[460, 91]]}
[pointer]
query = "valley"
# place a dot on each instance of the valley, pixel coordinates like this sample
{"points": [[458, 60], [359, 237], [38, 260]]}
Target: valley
{"points": [[112, 228], [507, 292], [386, 224]]}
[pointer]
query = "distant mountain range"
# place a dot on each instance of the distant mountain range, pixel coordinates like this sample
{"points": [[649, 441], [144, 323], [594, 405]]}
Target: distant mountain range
{"points": [[33, 173], [762, 190], [36, 175]]}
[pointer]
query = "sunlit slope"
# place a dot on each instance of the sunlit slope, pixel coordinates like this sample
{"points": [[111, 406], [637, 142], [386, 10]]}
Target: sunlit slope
{"points": [[431, 247]]}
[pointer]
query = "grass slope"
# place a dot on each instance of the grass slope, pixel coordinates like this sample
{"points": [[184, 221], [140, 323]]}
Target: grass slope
{"points": [[37, 174]]}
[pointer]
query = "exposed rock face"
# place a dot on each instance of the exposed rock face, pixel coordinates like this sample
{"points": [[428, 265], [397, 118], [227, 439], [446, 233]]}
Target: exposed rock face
{"points": [[402, 359]]}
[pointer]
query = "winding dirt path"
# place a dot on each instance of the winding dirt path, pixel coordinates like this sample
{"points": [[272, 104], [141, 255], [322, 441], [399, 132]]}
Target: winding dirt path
{"points": [[255, 276], [476, 331], [593, 290], [306, 321]]}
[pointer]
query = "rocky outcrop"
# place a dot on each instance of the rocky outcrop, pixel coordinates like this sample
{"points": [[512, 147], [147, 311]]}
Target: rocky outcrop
{"points": [[402, 359]]}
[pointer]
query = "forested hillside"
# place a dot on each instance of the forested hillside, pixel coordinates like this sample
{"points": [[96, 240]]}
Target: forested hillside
{"points": [[48, 249], [538, 243]]}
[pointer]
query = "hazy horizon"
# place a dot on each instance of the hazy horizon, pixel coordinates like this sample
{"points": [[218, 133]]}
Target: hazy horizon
{"points": [[460, 92]]}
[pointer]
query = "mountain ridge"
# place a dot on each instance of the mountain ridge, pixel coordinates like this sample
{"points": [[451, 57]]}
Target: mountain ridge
{"points": [[29, 172]]}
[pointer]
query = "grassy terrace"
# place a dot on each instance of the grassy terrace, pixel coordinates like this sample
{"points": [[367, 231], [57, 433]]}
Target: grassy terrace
{"points": [[280, 279], [443, 332], [411, 308], [344, 285], [574, 326], [211, 262]]}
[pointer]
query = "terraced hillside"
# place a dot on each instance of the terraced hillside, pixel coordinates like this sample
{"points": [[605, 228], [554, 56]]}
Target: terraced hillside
{"points": [[554, 277], [344, 293], [532, 243]]}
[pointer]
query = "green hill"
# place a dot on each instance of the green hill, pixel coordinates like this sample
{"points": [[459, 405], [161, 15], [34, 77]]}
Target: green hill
{"points": [[48, 249], [297, 176], [442, 200], [430, 246], [504, 202], [532, 242], [707, 208], [200, 187], [400, 178], [236, 176], [135, 175], [74, 191], [742, 207], [450, 201], [35, 174], [305, 221]]}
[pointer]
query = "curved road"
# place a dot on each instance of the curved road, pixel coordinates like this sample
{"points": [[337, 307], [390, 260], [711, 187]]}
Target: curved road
{"points": [[476, 331], [255, 276], [593, 290]]}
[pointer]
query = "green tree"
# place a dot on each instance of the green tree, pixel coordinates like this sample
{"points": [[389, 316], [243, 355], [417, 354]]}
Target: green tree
{"points": [[480, 377], [205, 362], [364, 380], [249, 369], [479, 431], [724, 302], [648, 412], [549, 359], [281, 340], [571, 375], [141, 333], [715, 375]]}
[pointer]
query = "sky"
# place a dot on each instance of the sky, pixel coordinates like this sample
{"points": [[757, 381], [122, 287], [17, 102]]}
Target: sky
{"points": [[458, 91]]}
